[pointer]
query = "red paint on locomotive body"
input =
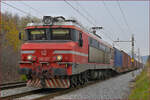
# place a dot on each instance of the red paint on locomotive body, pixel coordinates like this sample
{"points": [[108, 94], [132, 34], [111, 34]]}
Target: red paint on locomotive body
{"points": [[71, 52]]}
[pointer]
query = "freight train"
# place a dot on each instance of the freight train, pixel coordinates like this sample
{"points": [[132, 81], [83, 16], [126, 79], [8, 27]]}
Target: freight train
{"points": [[60, 53]]}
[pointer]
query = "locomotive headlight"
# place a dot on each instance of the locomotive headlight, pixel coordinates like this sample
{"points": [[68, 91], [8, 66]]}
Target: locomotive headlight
{"points": [[59, 57], [29, 57]]}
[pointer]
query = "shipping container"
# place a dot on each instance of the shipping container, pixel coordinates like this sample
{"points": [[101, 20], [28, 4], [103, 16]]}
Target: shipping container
{"points": [[129, 62], [117, 58], [124, 59], [135, 63]]}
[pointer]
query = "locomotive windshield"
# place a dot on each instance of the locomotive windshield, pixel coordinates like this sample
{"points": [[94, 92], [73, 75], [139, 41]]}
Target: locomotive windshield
{"points": [[60, 34], [38, 34], [49, 34]]}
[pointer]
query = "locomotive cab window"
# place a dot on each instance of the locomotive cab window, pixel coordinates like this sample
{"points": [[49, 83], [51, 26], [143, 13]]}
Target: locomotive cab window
{"points": [[37, 34], [60, 34], [49, 34]]}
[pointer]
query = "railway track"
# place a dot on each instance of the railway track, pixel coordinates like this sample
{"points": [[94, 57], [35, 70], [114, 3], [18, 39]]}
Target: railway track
{"points": [[51, 93], [64, 91], [18, 95], [44, 94], [12, 85]]}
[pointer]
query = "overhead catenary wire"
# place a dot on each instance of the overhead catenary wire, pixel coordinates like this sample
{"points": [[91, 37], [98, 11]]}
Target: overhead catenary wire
{"points": [[124, 17], [37, 11], [83, 15], [109, 12], [80, 13], [20, 10], [69, 5], [87, 13], [108, 36], [94, 20], [14, 7], [88, 19]]}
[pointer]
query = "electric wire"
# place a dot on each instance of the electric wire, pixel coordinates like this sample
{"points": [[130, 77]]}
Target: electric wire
{"points": [[124, 17], [69, 5], [37, 11], [79, 13], [109, 12], [108, 36], [14, 7], [22, 11], [87, 13], [105, 33]]}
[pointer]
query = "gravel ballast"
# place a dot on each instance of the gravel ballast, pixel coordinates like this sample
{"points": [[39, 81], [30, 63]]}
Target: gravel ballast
{"points": [[113, 88]]}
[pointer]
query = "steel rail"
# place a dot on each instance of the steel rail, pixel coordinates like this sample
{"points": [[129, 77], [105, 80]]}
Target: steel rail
{"points": [[12, 85], [18, 95]]}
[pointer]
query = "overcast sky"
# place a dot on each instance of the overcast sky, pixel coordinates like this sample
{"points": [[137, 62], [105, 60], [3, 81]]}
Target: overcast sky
{"points": [[131, 18]]}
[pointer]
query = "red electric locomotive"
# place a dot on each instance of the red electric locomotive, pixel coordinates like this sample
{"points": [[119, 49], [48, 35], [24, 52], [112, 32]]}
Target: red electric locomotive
{"points": [[60, 53]]}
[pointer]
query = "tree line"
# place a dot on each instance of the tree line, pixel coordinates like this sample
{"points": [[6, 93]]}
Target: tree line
{"points": [[11, 25]]}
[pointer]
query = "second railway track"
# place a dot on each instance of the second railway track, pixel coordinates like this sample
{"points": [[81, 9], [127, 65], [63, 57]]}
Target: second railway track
{"points": [[12, 85]]}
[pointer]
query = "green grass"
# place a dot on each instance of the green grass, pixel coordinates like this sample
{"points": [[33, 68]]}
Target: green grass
{"points": [[23, 78], [141, 91]]}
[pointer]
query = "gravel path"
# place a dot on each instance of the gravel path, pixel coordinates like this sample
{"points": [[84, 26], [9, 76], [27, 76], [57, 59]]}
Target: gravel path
{"points": [[114, 88]]}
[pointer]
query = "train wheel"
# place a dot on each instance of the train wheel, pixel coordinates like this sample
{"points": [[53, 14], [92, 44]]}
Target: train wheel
{"points": [[80, 81], [73, 81], [99, 75], [106, 74], [93, 75], [86, 76], [110, 73], [103, 75]]}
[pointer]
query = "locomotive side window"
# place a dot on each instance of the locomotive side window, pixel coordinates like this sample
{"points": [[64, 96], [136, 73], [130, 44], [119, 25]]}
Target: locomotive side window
{"points": [[74, 35], [93, 42], [60, 34], [80, 40]]}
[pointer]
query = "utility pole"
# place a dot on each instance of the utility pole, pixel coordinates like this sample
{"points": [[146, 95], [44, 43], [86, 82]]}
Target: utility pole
{"points": [[132, 44], [139, 54], [132, 40]]}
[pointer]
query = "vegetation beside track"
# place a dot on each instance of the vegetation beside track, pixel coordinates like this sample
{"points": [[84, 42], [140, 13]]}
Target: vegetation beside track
{"points": [[141, 90], [11, 25]]}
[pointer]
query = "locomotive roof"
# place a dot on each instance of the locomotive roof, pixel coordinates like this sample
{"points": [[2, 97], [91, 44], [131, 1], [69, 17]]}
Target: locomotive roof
{"points": [[60, 23], [76, 24]]}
